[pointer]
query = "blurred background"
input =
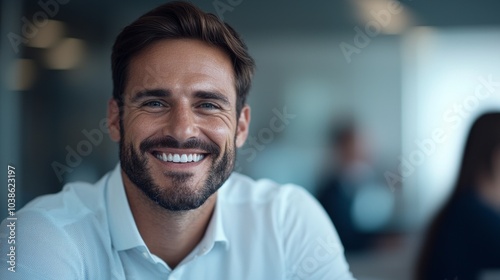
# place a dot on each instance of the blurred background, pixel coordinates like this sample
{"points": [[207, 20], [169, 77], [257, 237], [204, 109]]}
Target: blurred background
{"points": [[365, 101]]}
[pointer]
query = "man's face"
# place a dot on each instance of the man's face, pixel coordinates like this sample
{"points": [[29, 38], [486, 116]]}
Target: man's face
{"points": [[179, 130]]}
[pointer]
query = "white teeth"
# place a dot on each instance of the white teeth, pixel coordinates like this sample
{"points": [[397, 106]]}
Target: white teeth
{"points": [[182, 158], [177, 158]]}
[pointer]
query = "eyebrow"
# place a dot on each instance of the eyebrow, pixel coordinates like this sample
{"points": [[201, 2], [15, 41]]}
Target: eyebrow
{"points": [[212, 95], [150, 93]]}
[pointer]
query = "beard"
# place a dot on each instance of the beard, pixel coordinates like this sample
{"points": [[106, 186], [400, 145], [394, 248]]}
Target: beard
{"points": [[181, 195]]}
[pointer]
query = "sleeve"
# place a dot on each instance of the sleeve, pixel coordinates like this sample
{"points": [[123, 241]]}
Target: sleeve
{"points": [[311, 246], [34, 247]]}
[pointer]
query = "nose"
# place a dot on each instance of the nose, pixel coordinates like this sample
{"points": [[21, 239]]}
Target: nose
{"points": [[181, 123]]}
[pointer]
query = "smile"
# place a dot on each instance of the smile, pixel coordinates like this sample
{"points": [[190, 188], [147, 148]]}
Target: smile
{"points": [[179, 158]]}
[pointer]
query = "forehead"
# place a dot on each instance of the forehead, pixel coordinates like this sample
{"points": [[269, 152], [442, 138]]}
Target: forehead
{"points": [[181, 65]]}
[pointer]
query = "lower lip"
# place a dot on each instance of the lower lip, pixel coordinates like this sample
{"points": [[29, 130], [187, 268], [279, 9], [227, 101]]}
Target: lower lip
{"points": [[179, 165]]}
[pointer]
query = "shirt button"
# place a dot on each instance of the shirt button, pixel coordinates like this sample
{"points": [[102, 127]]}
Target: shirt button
{"points": [[145, 255]]}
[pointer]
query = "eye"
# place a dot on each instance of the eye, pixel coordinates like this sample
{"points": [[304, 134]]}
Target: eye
{"points": [[209, 106], [153, 103]]}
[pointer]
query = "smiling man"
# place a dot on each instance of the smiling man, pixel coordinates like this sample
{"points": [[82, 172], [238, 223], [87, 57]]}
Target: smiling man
{"points": [[173, 208]]}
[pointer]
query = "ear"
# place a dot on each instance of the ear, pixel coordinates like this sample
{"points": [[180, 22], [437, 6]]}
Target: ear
{"points": [[243, 126], [114, 120]]}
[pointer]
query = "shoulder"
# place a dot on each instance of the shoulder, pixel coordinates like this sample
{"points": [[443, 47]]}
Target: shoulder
{"points": [[73, 201], [285, 204], [79, 207], [294, 219], [40, 244], [288, 210], [58, 229]]}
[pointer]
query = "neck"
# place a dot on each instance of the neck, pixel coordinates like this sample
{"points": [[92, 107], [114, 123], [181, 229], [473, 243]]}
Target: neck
{"points": [[170, 235]]}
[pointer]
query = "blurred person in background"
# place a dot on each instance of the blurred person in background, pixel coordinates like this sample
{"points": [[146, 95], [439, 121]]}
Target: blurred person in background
{"points": [[463, 240], [173, 207], [350, 191]]}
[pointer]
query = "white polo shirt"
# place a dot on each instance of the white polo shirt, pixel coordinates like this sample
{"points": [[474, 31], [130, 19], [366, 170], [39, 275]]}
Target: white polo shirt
{"points": [[259, 230]]}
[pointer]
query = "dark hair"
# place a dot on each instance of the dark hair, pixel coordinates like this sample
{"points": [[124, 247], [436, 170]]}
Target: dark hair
{"points": [[181, 20], [477, 160]]}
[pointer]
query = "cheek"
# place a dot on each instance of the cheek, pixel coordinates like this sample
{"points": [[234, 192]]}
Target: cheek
{"points": [[137, 128], [221, 134]]}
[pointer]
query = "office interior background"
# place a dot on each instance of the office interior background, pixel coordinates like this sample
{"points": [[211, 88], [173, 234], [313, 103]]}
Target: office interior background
{"points": [[411, 75]]}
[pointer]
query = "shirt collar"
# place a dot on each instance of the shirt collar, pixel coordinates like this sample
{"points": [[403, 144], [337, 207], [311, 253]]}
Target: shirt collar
{"points": [[215, 230], [124, 232]]}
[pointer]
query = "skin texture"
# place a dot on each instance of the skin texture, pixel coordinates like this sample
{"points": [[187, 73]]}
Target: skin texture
{"points": [[180, 72]]}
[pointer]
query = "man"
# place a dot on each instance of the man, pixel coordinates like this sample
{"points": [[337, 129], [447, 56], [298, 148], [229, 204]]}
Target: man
{"points": [[172, 208]]}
